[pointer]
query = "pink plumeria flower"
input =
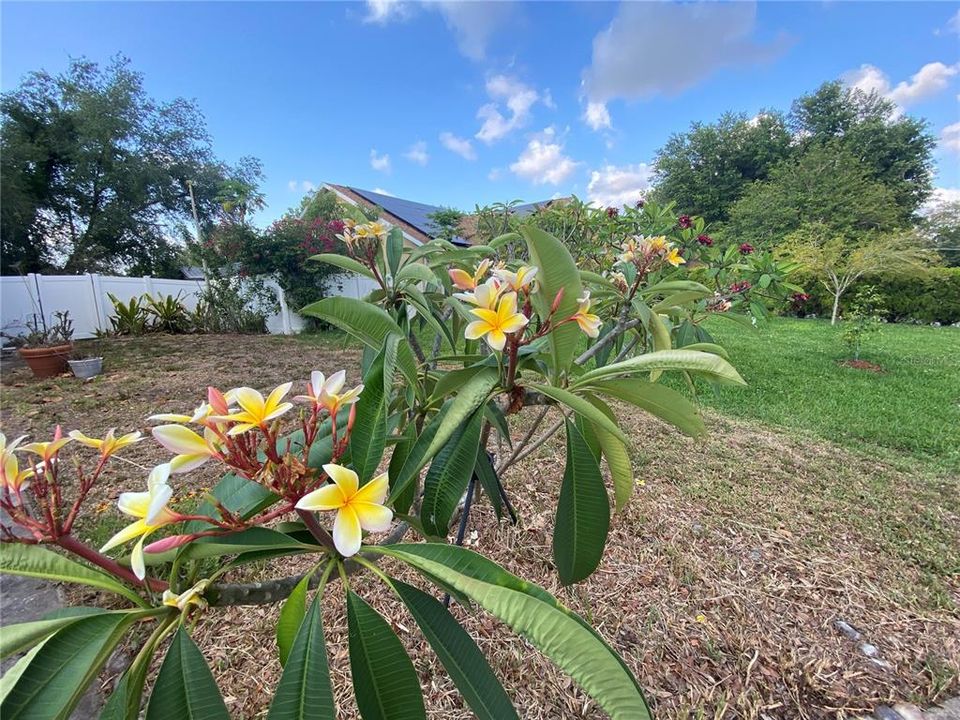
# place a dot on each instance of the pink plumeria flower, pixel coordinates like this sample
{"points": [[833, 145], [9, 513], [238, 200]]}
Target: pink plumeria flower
{"points": [[358, 508]]}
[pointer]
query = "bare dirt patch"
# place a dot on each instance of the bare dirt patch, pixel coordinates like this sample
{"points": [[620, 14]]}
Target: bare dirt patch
{"points": [[721, 584], [862, 365]]}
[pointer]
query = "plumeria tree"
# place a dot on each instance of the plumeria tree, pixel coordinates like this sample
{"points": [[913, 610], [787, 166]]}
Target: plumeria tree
{"points": [[457, 345]]}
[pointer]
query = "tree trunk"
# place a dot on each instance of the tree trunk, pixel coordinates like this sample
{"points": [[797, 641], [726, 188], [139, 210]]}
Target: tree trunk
{"points": [[836, 307]]}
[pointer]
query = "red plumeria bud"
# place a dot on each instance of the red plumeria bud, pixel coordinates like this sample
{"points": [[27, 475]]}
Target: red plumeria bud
{"points": [[684, 221], [352, 418], [612, 212], [169, 543], [556, 301], [705, 240], [640, 203], [746, 249]]}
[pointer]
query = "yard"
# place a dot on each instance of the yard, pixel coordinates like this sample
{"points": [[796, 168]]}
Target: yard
{"points": [[822, 494]]}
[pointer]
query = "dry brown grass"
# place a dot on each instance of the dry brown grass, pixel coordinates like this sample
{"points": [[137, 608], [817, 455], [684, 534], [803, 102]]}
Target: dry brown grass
{"points": [[721, 582]]}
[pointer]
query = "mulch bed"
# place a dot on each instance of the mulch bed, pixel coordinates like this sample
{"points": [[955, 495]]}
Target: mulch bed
{"points": [[862, 365], [721, 584]]}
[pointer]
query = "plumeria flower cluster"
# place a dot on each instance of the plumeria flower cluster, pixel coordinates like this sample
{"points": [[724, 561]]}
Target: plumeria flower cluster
{"points": [[648, 254]]}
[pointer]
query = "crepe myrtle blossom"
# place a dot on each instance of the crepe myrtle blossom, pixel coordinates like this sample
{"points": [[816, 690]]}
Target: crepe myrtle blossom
{"points": [[151, 513], [495, 325], [484, 296], [255, 411], [323, 392], [191, 450], [517, 281], [12, 478], [462, 280], [358, 508], [110, 444], [588, 322]]}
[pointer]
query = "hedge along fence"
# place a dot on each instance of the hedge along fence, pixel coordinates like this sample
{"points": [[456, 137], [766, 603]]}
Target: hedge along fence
{"points": [[934, 297]]}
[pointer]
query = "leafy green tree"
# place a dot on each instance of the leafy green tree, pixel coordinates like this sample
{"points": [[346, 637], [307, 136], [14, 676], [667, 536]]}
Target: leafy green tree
{"points": [[838, 263], [95, 172], [896, 150], [706, 169], [826, 186], [942, 228], [447, 222]]}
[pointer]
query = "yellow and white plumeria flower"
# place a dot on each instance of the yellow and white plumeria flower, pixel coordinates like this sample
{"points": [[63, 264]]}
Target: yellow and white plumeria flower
{"points": [[495, 325], [150, 509], [588, 322], [191, 450], [254, 410], [462, 280], [484, 296], [674, 258], [519, 280], [110, 443], [12, 478], [48, 450], [193, 596], [325, 392], [358, 508]]}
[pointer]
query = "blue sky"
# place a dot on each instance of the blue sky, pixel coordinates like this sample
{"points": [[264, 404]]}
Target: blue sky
{"points": [[464, 103]]}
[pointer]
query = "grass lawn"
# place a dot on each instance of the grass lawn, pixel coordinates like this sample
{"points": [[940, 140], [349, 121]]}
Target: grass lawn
{"points": [[723, 577], [796, 382]]}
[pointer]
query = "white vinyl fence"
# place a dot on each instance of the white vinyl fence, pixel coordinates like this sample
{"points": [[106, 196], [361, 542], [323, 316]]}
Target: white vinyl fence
{"points": [[24, 298]]}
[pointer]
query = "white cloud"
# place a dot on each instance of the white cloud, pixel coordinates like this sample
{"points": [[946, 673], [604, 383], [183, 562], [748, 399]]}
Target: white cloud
{"points": [[543, 160], [616, 186], [597, 116], [292, 185], [301, 185], [418, 153], [494, 174], [654, 48], [383, 11], [518, 99], [928, 81], [460, 146], [472, 23], [950, 138], [381, 191], [380, 163], [953, 25], [940, 196]]}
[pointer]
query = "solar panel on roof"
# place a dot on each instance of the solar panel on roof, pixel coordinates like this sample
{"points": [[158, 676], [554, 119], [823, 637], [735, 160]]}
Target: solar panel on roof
{"points": [[414, 213]]}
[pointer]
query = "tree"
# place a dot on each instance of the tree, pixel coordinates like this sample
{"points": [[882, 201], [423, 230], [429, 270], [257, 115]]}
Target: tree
{"points": [[95, 172], [825, 186], [838, 263], [707, 168], [941, 226], [896, 150], [446, 223]]}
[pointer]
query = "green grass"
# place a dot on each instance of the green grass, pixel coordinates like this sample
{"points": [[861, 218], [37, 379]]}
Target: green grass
{"points": [[796, 381]]}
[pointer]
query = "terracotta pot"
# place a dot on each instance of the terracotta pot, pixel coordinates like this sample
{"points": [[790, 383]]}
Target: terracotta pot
{"points": [[47, 361]]}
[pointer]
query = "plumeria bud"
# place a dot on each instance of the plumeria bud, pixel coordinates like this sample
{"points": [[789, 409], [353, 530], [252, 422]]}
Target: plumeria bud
{"points": [[612, 212], [169, 543], [352, 418], [684, 221], [746, 249], [556, 301], [704, 239]]}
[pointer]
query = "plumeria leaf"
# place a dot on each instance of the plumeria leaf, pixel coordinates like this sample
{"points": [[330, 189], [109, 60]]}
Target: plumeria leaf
{"points": [[402, 482], [448, 476], [53, 682], [659, 400], [291, 617], [238, 495], [471, 396], [384, 680], [709, 366], [528, 609], [368, 439], [38, 562], [344, 263], [394, 249], [617, 456], [19, 637], [304, 691], [459, 654], [488, 481], [580, 406], [185, 688], [583, 513], [557, 271]]}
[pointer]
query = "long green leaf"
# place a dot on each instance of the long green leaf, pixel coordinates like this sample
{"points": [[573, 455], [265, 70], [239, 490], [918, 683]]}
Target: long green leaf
{"points": [[489, 482], [448, 476], [344, 263], [304, 691], [557, 271], [402, 481], [384, 681], [185, 688], [580, 406], [38, 562], [291, 617], [394, 249], [19, 637], [255, 539], [583, 513], [64, 665], [471, 396], [238, 495], [617, 456], [659, 400], [368, 323], [369, 435], [530, 610], [712, 367], [459, 654]]}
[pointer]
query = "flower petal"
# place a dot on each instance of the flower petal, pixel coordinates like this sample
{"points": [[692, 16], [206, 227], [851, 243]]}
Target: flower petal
{"points": [[278, 394], [250, 400], [335, 383], [496, 339], [374, 491], [476, 329], [180, 440], [347, 533], [185, 463], [372, 517], [514, 323], [131, 531], [84, 440], [316, 383], [278, 411], [158, 503], [134, 504], [345, 478], [328, 497], [136, 558]]}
